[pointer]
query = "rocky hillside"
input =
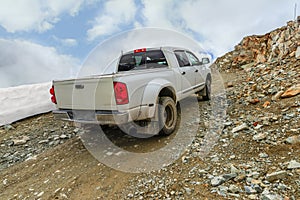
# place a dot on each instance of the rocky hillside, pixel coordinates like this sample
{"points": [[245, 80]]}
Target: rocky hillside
{"points": [[272, 64], [279, 46], [264, 106], [257, 155]]}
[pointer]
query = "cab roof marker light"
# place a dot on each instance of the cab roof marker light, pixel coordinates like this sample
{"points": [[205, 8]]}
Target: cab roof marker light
{"points": [[140, 50]]}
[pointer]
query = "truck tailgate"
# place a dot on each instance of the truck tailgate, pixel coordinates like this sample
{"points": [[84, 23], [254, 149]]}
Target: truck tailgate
{"points": [[92, 93]]}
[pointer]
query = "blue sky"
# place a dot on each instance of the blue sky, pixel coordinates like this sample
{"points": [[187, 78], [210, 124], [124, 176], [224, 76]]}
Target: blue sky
{"points": [[41, 40]]}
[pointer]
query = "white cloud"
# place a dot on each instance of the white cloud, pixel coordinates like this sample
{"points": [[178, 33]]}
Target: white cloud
{"points": [[116, 13], [68, 42], [38, 15], [23, 62], [19, 15], [70, 6], [158, 13], [219, 24]]}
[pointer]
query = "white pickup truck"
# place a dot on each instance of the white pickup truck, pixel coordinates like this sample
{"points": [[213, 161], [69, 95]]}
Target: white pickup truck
{"points": [[147, 85]]}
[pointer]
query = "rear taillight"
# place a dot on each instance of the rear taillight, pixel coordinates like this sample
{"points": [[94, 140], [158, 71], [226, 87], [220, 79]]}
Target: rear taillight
{"points": [[52, 92], [121, 93]]}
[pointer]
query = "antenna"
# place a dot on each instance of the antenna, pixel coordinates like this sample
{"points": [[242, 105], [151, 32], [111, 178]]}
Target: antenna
{"points": [[295, 11]]}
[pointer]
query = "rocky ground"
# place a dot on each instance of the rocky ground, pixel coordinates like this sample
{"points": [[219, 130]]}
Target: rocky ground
{"points": [[25, 139], [256, 155]]}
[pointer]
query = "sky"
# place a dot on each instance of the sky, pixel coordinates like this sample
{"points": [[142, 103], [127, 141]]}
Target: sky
{"points": [[42, 40]]}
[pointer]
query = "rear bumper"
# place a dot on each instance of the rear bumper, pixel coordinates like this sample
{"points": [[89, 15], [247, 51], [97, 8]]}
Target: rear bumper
{"points": [[92, 117]]}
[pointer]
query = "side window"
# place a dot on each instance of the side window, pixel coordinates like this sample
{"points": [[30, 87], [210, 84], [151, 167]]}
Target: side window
{"points": [[193, 59], [182, 58]]}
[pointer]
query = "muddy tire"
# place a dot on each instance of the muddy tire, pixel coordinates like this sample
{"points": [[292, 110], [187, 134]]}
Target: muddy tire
{"points": [[167, 115], [207, 90]]}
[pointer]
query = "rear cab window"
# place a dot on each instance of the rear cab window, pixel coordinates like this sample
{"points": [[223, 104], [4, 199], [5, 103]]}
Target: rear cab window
{"points": [[142, 59]]}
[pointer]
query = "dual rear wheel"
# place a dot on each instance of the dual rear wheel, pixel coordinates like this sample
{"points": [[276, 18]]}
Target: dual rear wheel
{"points": [[167, 115]]}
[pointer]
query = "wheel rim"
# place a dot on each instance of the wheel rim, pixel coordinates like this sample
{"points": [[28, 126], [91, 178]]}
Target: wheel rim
{"points": [[169, 116]]}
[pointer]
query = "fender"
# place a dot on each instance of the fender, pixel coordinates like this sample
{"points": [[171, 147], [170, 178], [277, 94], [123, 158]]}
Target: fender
{"points": [[151, 93]]}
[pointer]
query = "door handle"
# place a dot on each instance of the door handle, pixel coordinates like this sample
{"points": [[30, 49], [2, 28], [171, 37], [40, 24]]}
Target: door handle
{"points": [[79, 86], [196, 70], [183, 73]]}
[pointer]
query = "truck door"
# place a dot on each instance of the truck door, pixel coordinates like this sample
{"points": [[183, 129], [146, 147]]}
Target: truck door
{"points": [[187, 73], [198, 69]]}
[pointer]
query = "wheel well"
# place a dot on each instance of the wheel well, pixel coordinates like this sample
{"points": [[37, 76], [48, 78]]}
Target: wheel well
{"points": [[168, 92]]}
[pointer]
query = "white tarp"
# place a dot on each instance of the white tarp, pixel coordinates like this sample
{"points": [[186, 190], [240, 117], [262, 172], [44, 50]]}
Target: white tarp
{"points": [[23, 101]]}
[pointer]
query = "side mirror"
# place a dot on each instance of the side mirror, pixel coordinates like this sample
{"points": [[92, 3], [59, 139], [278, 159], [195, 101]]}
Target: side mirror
{"points": [[205, 61]]}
